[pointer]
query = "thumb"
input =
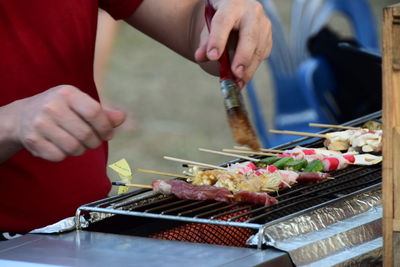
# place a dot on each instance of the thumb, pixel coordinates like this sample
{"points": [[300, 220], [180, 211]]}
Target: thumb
{"points": [[116, 117], [201, 52]]}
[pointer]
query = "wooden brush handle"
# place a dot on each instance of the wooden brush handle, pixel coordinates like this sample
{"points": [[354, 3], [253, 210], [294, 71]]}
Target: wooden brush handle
{"points": [[225, 72]]}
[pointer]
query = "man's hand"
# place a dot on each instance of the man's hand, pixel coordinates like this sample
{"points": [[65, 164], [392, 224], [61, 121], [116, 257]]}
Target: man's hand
{"points": [[62, 121], [181, 26], [254, 41]]}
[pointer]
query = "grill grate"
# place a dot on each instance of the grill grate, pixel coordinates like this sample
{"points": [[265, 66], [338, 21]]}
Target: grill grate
{"points": [[236, 222]]}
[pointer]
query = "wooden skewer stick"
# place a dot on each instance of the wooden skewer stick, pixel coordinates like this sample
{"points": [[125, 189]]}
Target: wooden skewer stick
{"points": [[164, 173], [320, 125], [195, 163], [196, 166], [298, 133], [145, 186], [249, 152], [132, 185], [261, 149], [228, 154]]}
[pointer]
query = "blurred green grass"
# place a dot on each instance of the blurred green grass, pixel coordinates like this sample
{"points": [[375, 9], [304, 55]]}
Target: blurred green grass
{"points": [[174, 107]]}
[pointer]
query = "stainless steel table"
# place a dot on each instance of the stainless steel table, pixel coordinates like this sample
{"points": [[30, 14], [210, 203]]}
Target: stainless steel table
{"points": [[83, 248]]}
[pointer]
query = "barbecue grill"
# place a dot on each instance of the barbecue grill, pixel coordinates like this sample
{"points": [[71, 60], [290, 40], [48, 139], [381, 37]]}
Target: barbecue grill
{"points": [[331, 222]]}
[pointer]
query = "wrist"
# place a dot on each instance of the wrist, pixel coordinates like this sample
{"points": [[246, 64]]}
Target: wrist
{"points": [[8, 134]]}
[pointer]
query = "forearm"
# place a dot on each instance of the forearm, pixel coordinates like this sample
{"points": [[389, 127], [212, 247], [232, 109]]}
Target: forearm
{"points": [[8, 145], [178, 26]]}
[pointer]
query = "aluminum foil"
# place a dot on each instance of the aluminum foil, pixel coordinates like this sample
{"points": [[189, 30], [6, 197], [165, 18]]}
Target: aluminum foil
{"points": [[367, 254], [70, 223], [65, 225], [320, 233]]}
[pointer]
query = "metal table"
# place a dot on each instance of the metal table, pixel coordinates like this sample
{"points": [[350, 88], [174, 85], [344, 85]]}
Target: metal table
{"points": [[83, 248]]}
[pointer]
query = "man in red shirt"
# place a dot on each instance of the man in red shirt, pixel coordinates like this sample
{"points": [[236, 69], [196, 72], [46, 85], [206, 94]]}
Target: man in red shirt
{"points": [[53, 130]]}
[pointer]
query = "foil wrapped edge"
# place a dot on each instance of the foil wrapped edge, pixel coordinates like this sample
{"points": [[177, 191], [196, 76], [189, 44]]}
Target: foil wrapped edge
{"points": [[320, 233]]}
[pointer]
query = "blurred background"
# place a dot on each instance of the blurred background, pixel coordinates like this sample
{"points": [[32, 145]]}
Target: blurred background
{"points": [[173, 107]]}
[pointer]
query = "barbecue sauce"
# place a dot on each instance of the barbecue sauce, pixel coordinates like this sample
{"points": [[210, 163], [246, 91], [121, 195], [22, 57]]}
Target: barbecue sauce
{"points": [[242, 131], [238, 120]]}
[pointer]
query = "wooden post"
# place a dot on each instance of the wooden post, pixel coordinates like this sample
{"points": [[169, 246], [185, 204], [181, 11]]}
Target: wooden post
{"points": [[391, 137]]}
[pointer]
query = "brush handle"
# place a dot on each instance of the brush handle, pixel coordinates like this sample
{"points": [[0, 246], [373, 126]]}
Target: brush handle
{"points": [[225, 72]]}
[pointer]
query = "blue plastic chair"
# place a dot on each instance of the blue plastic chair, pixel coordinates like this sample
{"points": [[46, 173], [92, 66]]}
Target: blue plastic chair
{"points": [[304, 86]]}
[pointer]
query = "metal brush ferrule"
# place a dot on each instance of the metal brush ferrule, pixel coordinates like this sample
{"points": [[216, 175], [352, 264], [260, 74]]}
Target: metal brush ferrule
{"points": [[231, 93]]}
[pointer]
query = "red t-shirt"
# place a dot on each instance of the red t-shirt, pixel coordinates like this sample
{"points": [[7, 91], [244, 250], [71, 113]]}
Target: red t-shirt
{"points": [[44, 44]]}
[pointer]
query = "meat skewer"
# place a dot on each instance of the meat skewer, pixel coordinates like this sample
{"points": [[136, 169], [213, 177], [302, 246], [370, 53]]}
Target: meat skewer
{"points": [[185, 190], [331, 160], [246, 176], [132, 185]]}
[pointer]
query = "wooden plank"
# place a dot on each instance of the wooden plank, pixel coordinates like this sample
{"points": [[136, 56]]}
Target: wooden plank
{"points": [[396, 225], [387, 129], [391, 119], [396, 172], [396, 244]]}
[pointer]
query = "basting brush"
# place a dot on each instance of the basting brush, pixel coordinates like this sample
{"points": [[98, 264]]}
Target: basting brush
{"points": [[239, 122]]}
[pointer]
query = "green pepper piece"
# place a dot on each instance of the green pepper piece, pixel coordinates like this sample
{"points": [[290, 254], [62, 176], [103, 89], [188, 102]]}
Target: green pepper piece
{"points": [[269, 160], [281, 163], [296, 165], [314, 166]]}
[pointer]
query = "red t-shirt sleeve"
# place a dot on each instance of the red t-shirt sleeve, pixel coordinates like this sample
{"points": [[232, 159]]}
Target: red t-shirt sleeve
{"points": [[119, 9]]}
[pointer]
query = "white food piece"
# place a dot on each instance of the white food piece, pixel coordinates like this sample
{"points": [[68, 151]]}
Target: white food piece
{"points": [[367, 159]]}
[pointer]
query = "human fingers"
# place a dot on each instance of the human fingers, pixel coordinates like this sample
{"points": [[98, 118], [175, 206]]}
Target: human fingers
{"points": [[254, 30], [261, 52], [222, 24], [200, 54], [40, 147], [73, 124], [62, 139], [91, 112], [116, 117]]}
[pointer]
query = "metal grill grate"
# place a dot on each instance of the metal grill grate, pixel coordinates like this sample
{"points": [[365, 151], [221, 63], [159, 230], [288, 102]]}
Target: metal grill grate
{"points": [[236, 222]]}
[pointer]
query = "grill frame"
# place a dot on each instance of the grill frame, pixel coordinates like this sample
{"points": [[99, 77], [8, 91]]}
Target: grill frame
{"points": [[125, 204]]}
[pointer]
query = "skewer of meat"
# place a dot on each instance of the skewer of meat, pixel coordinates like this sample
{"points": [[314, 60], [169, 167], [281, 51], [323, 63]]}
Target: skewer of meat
{"points": [[246, 176], [185, 190], [309, 153], [331, 160]]}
